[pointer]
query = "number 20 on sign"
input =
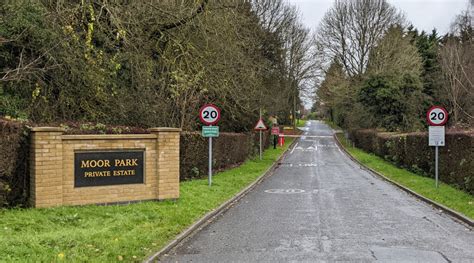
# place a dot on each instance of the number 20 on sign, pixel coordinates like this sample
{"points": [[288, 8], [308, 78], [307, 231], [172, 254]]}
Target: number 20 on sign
{"points": [[209, 114], [437, 116]]}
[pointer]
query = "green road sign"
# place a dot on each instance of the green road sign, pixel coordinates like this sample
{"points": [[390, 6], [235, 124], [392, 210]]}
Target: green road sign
{"points": [[210, 131]]}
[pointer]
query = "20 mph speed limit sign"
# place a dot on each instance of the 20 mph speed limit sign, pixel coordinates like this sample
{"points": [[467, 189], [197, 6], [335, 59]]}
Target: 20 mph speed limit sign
{"points": [[437, 116], [209, 114]]}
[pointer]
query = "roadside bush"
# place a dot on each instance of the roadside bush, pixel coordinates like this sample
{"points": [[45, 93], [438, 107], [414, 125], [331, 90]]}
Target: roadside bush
{"points": [[15, 152], [312, 116], [76, 60], [382, 142], [363, 139], [14, 156], [411, 151], [229, 149]]}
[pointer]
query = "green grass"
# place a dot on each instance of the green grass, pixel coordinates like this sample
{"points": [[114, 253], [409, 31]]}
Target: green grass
{"points": [[124, 232], [301, 123], [446, 195], [332, 125]]}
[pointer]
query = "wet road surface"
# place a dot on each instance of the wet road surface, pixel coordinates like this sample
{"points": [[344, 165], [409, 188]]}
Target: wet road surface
{"points": [[319, 206]]}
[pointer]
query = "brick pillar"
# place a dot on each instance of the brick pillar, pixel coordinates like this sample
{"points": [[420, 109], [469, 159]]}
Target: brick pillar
{"points": [[46, 167], [168, 162]]}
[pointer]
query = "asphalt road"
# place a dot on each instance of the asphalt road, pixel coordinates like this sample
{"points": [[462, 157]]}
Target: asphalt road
{"points": [[319, 206]]}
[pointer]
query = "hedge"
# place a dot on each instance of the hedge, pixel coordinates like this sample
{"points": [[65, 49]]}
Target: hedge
{"points": [[411, 151], [14, 156], [229, 149]]}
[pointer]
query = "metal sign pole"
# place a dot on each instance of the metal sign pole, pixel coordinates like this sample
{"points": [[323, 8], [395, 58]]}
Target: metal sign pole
{"points": [[436, 165], [210, 161], [437, 117], [260, 115]]}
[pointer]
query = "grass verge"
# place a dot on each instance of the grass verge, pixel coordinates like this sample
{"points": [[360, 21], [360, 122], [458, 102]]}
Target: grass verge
{"points": [[332, 125], [301, 123], [446, 195], [119, 232]]}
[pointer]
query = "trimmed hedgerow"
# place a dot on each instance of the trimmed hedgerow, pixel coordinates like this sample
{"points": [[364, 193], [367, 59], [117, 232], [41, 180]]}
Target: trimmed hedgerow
{"points": [[411, 151], [74, 127], [14, 169], [229, 149]]}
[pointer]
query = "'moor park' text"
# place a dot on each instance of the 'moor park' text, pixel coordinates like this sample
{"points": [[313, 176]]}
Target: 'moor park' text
{"points": [[106, 163]]}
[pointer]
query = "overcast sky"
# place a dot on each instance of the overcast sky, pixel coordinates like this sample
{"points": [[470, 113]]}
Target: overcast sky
{"points": [[423, 14]]}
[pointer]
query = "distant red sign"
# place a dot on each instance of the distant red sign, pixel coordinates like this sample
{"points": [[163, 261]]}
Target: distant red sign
{"points": [[275, 130]]}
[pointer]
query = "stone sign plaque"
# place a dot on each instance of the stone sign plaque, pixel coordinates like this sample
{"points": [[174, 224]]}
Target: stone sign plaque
{"points": [[108, 168]]}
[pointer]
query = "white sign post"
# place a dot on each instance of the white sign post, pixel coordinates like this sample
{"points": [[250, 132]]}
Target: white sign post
{"points": [[209, 115], [437, 117]]}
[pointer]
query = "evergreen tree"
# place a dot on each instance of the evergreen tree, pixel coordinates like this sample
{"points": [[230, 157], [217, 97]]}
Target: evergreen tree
{"points": [[392, 88], [428, 47]]}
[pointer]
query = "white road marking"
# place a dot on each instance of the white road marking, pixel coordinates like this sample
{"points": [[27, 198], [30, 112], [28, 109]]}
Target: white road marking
{"points": [[294, 147], [308, 136], [285, 191]]}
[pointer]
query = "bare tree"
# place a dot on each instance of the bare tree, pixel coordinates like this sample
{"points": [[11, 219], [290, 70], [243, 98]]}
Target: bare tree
{"points": [[350, 29], [301, 65], [274, 15], [457, 62]]}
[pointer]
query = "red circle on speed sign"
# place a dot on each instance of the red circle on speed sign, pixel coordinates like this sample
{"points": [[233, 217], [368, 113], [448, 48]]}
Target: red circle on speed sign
{"points": [[209, 114], [437, 116]]}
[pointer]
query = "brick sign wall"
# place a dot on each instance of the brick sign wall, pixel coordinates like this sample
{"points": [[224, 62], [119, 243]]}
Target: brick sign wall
{"points": [[98, 169]]}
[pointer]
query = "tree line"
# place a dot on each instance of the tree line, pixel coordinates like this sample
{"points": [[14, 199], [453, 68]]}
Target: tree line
{"points": [[381, 72], [152, 63]]}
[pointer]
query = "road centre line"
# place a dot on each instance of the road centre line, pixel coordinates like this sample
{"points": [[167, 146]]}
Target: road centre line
{"points": [[309, 136]]}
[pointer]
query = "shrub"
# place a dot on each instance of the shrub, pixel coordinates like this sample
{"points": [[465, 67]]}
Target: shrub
{"points": [[229, 149], [14, 156], [411, 151]]}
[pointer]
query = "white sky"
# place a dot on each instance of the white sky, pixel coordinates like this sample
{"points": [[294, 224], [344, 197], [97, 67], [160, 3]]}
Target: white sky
{"points": [[423, 14]]}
